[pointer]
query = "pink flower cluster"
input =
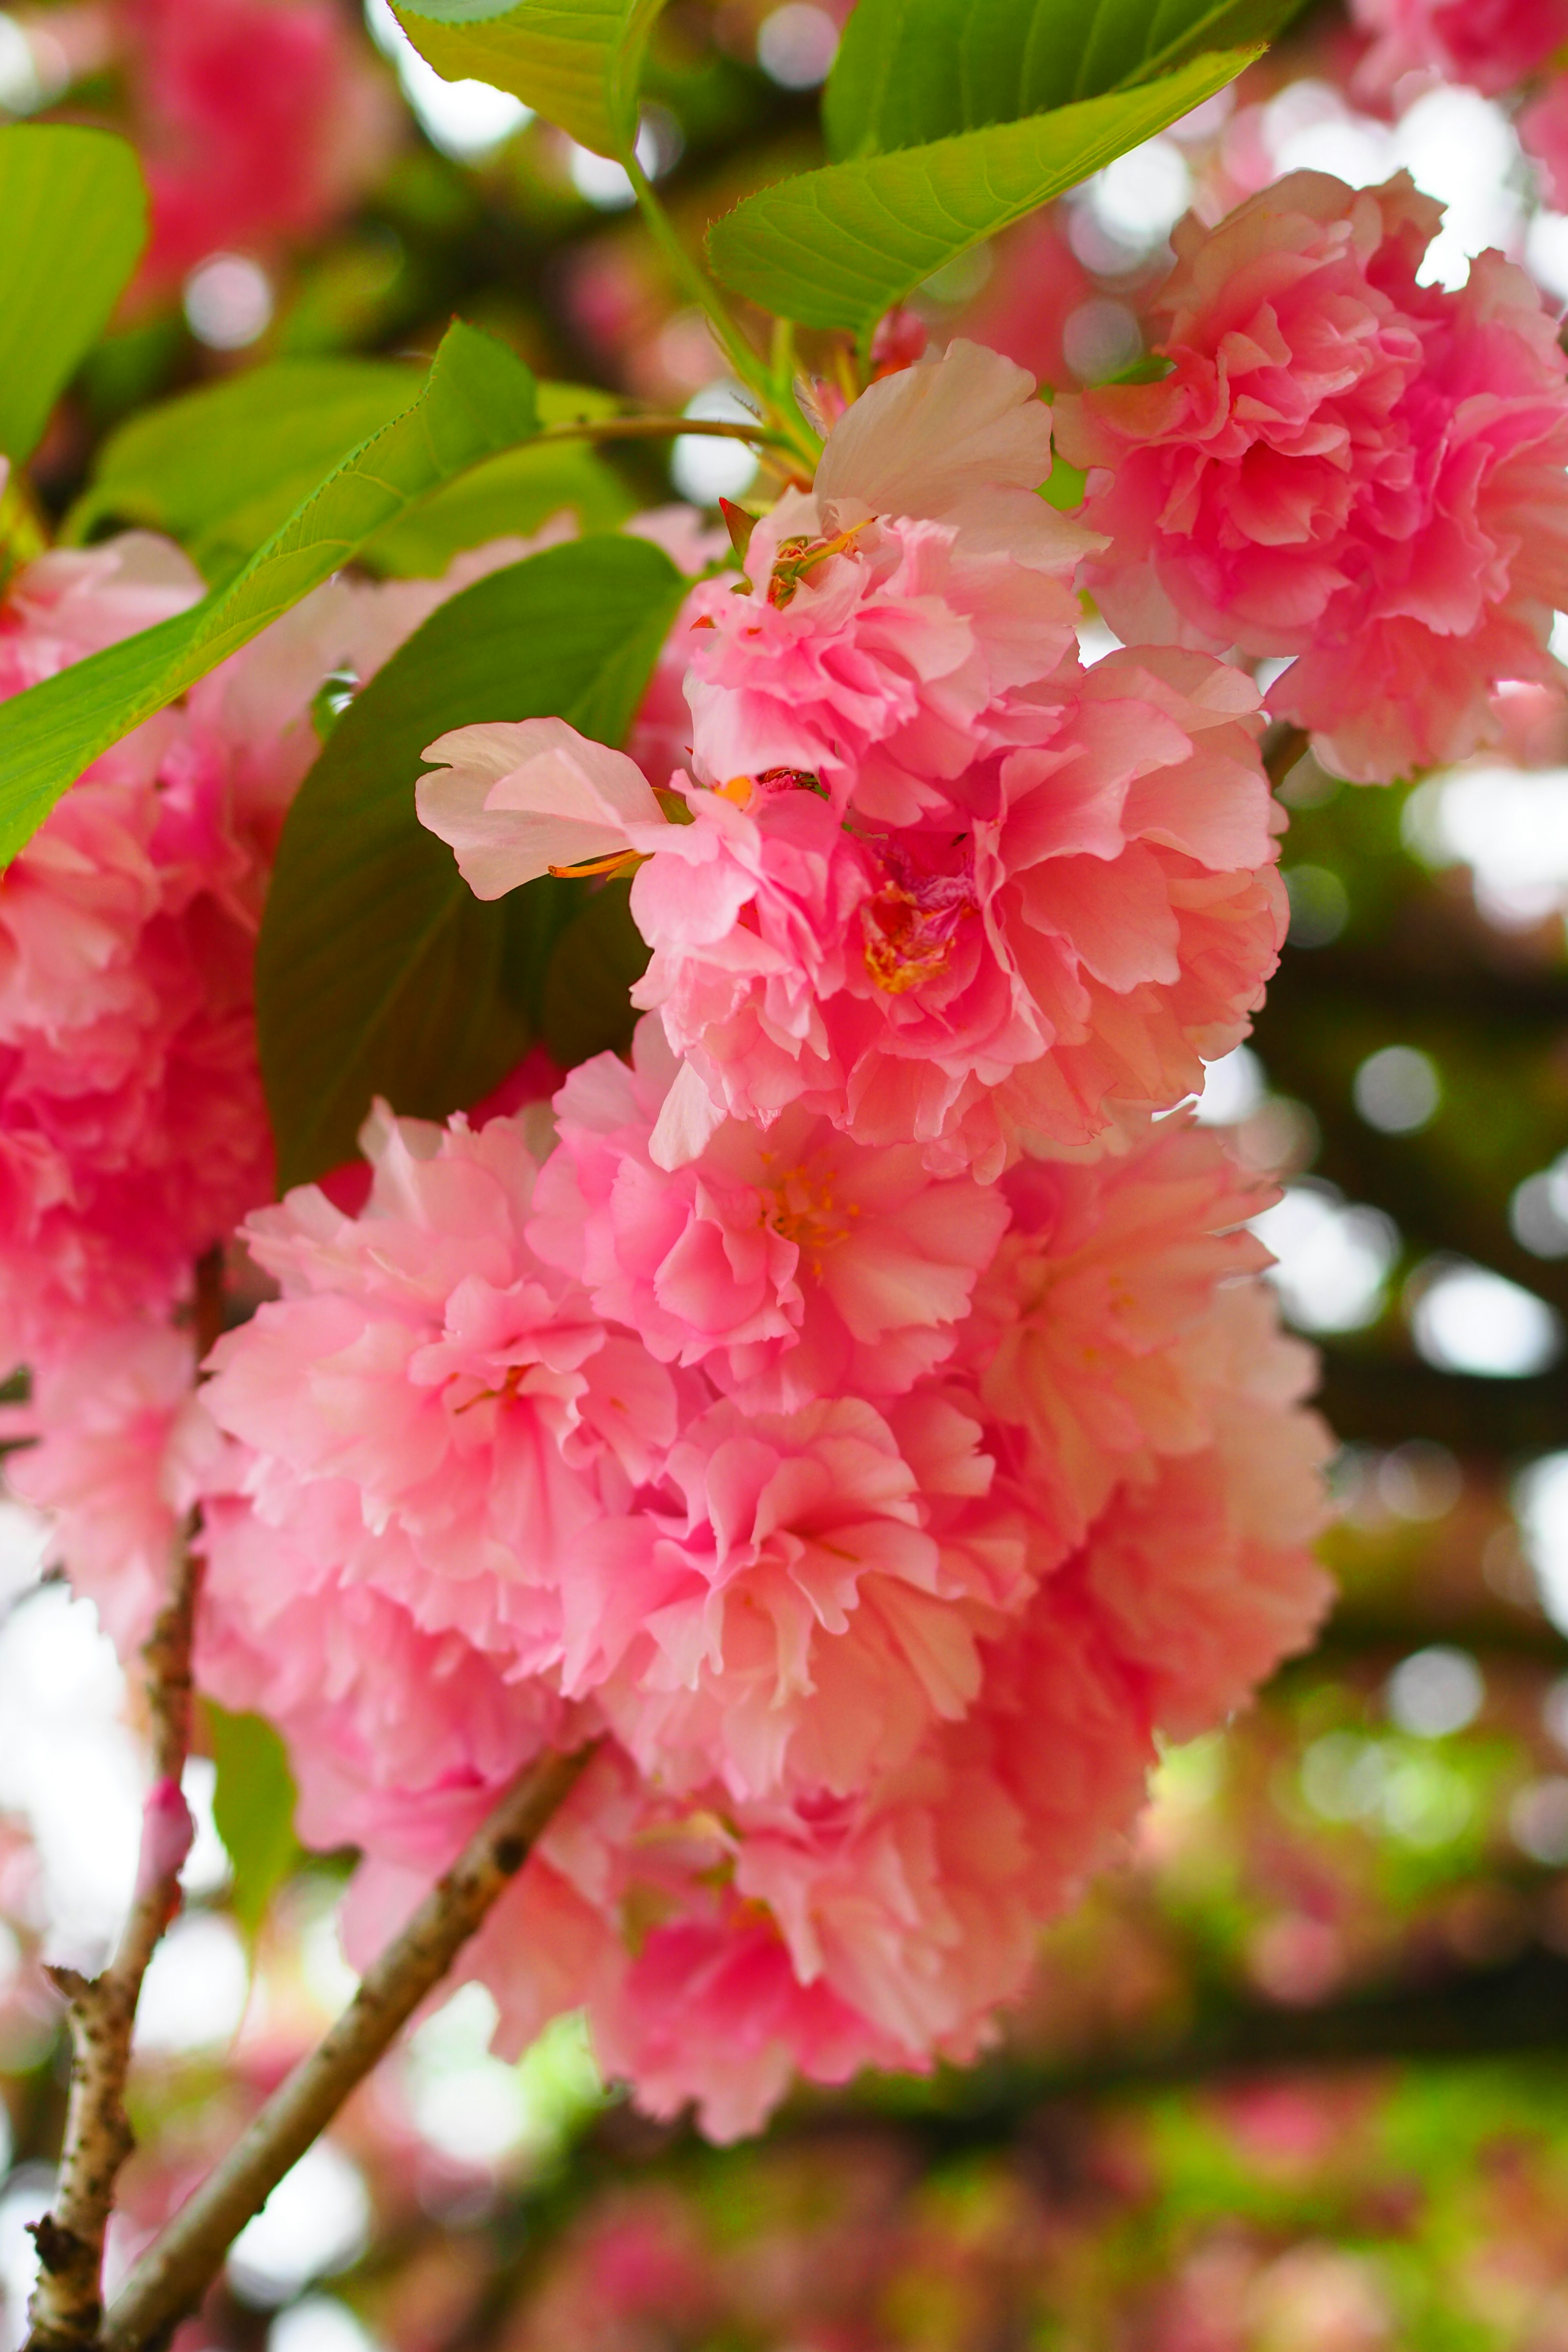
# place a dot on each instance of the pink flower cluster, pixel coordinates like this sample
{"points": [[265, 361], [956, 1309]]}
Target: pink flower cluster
{"points": [[922, 1508], [134, 1133], [857, 1411], [936, 882], [1343, 468]]}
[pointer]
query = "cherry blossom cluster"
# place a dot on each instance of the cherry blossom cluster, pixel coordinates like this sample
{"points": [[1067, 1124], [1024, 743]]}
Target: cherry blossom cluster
{"points": [[857, 1409]]}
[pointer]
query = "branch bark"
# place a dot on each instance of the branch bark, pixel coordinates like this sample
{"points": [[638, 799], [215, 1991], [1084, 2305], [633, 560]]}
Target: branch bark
{"points": [[173, 2275], [66, 2304]]}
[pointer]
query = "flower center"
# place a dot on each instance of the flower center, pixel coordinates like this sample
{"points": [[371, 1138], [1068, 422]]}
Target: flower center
{"points": [[807, 1215], [912, 922]]}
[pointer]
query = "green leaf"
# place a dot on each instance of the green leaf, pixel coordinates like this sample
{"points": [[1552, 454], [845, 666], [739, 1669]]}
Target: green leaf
{"points": [[909, 71], [253, 1806], [585, 1008], [577, 62], [477, 400], [378, 971], [512, 494], [73, 220], [839, 246], [510, 497], [222, 469]]}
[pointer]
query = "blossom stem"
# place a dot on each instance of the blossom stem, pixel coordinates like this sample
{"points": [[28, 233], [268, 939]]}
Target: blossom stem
{"points": [[748, 364], [175, 2272], [66, 2304]]}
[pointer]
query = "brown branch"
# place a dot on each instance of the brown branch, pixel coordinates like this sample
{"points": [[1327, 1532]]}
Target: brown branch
{"points": [[173, 2275], [657, 428], [67, 2306]]}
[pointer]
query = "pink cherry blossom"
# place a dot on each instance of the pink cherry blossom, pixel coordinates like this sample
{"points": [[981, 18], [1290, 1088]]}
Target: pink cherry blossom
{"points": [[1543, 133], [132, 1131], [117, 1454], [1199, 1569], [1344, 467], [516, 798], [1077, 920], [1491, 45], [810, 1606], [429, 1407], [259, 121], [1084, 1324], [133, 1134], [793, 1265]]}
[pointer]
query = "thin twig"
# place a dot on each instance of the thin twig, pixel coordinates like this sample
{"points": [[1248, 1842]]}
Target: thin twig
{"points": [[67, 2306], [172, 2277]]}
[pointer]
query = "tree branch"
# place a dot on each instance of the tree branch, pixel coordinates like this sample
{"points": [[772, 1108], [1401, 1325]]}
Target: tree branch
{"points": [[66, 2304], [173, 2275]]}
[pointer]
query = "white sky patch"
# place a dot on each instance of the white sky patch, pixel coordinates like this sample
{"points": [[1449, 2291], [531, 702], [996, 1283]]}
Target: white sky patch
{"points": [[467, 119], [1465, 1319], [1509, 825], [1335, 1256]]}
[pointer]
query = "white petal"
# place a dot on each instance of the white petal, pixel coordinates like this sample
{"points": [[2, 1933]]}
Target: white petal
{"points": [[919, 441], [521, 796]]}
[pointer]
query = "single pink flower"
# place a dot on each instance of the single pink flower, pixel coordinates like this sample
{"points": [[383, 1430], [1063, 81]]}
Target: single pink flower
{"points": [[807, 1607], [428, 1406], [1075, 921], [1342, 466], [792, 1263], [1082, 1337]]}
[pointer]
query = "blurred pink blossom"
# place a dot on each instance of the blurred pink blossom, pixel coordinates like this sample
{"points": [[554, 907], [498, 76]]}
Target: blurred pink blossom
{"points": [[1344, 467]]}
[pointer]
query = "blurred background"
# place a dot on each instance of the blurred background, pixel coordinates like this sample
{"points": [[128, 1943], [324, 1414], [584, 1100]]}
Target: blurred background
{"points": [[1296, 2078]]}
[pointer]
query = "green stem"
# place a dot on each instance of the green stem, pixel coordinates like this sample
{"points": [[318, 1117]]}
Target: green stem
{"points": [[793, 434]]}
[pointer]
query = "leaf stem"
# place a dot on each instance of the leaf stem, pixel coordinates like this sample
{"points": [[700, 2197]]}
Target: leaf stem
{"points": [[748, 364], [173, 2275]]}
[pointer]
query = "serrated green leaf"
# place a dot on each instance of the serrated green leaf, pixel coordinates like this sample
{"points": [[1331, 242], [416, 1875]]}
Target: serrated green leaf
{"points": [[477, 400], [222, 467], [577, 62], [253, 1806], [909, 71], [839, 246], [73, 220], [378, 971]]}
